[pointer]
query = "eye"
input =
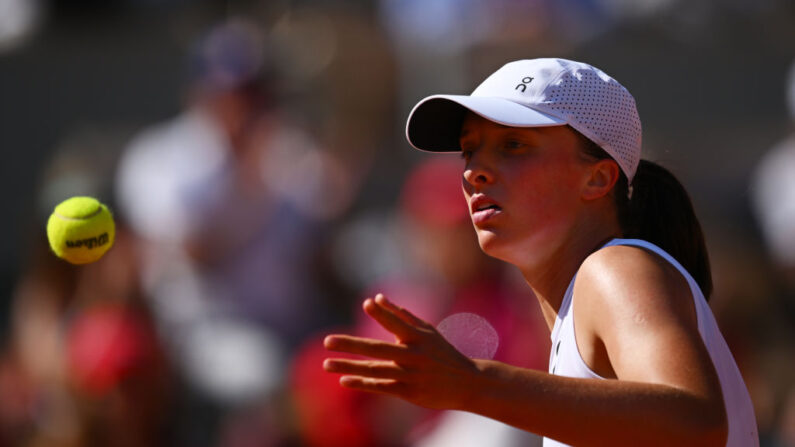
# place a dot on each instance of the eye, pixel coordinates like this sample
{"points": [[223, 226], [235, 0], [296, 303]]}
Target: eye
{"points": [[514, 144]]}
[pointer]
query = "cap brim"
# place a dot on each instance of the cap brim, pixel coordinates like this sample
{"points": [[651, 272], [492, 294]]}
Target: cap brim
{"points": [[434, 125]]}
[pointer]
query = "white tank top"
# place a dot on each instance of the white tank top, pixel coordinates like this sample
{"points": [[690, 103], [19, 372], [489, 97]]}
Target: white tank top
{"points": [[565, 359]]}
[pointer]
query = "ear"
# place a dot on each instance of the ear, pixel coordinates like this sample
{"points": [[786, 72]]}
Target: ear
{"points": [[603, 175]]}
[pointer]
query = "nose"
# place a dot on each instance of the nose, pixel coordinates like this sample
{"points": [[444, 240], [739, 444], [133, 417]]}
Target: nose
{"points": [[476, 173]]}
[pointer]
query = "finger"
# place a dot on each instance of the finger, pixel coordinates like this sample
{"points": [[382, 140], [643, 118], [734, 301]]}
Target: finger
{"points": [[381, 386], [367, 347], [387, 318], [401, 312], [365, 368]]}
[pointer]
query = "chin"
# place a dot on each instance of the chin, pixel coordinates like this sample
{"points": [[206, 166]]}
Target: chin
{"points": [[521, 252], [492, 245]]}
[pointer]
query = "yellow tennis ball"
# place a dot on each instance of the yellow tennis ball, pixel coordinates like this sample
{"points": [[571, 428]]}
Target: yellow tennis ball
{"points": [[80, 230]]}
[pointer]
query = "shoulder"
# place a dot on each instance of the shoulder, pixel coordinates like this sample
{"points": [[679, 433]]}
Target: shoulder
{"points": [[623, 282], [633, 310], [618, 267]]}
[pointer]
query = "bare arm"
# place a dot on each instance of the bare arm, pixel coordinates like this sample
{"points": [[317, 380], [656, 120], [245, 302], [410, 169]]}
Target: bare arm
{"points": [[667, 393]]}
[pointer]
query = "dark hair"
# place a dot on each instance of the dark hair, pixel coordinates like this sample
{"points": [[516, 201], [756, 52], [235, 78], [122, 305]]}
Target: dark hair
{"points": [[660, 211]]}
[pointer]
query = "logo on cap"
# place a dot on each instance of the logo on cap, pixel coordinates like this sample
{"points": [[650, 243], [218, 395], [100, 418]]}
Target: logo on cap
{"points": [[526, 80]]}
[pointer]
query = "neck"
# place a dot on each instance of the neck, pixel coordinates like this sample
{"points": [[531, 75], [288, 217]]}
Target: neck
{"points": [[550, 278]]}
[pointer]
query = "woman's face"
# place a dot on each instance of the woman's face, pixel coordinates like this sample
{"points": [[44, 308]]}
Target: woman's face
{"points": [[523, 187]]}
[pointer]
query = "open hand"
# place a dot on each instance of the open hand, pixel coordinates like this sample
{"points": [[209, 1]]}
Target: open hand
{"points": [[420, 366]]}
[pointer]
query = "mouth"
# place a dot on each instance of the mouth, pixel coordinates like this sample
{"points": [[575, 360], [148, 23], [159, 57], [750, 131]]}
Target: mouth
{"points": [[483, 209]]}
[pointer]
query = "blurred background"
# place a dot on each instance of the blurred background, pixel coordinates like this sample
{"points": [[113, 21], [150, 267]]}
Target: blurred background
{"points": [[253, 155]]}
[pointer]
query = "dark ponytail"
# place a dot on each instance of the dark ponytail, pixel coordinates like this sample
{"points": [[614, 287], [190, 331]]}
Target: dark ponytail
{"points": [[660, 211]]}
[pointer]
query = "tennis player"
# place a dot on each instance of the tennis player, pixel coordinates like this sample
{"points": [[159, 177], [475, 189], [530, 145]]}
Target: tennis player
{"points": [[613, 251]]}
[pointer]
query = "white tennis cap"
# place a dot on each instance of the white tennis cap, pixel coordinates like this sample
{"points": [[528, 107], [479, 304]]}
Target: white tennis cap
{"points": [[537, 93]]}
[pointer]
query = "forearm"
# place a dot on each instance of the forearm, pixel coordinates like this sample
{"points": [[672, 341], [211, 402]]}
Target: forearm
{"points": [[423, 368], [594, 412]]}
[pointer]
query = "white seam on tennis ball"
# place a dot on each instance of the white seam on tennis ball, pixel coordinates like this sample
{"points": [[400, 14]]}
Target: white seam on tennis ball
{"points": [[99, 210]]}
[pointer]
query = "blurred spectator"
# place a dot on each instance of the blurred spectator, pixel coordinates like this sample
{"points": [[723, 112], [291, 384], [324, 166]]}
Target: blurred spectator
{"points": [[116, 368], [84, 366], [773, 189], [230, 202], [774, 195]]}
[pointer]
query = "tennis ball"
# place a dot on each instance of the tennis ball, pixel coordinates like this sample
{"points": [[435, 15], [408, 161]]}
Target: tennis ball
{"points": [[80, 230]]}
